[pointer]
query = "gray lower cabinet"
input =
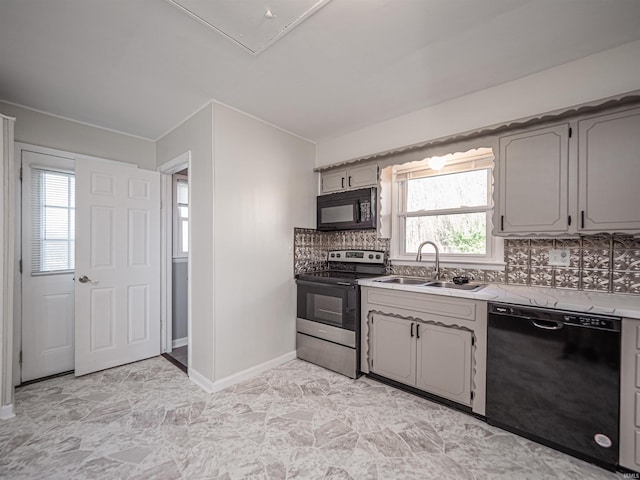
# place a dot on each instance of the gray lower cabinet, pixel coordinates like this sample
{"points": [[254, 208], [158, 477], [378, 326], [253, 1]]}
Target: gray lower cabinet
{"points": [[435, 343], [393, 349], [443, 363], [433, 358], [630, 395]]}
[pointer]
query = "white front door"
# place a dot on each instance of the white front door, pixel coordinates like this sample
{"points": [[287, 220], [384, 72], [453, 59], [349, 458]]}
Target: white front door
{"points": [[117, 294], [47, 265]]}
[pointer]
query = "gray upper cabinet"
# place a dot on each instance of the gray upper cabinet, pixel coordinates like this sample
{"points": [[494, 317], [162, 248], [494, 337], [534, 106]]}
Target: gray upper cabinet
{"points": [[549, 182], [533, 181], [349, 178], [609, 172]]}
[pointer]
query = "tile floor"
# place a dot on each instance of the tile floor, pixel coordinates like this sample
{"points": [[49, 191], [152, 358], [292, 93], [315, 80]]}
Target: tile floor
{"points": [[148, 421]]}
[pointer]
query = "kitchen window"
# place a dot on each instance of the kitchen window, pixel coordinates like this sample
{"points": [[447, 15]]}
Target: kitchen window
{"points": [[180, 216], [447, 200]]}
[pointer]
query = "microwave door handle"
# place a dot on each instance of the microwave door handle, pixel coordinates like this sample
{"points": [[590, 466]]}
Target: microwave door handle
{"points": [[357, 211]]}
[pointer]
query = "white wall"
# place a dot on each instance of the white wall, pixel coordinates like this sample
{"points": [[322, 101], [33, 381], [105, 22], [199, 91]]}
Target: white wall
{"points": [[196, 134], [38, 128], [602, 75], [264, 186]]}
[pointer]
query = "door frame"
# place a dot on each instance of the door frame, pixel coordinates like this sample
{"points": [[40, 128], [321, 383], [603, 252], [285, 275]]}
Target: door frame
{"points": [[17, 286], [167, 170]]}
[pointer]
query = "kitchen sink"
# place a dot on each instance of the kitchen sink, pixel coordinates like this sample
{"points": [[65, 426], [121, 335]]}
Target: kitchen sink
{"points": [[425, 282], [463, 286], [404, 280]]}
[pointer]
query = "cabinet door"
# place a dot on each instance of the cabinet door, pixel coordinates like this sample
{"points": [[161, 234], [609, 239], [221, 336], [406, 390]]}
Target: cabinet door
{"points": [[364, 176], [393, 349], [533, 181], [630, 395], [334, 181], [609, 172], [444, 362]]}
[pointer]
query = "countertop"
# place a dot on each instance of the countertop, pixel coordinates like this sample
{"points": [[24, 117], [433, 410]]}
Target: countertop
{"points": [[578, 301]]}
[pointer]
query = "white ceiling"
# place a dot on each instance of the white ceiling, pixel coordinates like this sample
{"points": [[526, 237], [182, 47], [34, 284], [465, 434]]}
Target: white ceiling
{"points": [[254, 25], [143, 66]]}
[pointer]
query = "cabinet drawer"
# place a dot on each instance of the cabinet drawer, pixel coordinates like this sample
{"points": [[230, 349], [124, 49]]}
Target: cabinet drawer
{"points": [[637, 409], [638, 337], [637, 449], [638, 370]]}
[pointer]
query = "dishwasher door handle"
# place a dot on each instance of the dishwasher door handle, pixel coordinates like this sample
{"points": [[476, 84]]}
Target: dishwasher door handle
{"points": [[551, 324]]}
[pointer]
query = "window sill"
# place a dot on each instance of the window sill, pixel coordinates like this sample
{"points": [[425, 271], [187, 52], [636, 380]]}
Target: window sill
{"points": [[484, 264]]}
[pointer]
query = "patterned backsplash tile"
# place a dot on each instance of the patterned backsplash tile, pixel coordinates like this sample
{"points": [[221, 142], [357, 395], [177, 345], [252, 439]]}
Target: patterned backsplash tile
{"points": [[601, 263]]}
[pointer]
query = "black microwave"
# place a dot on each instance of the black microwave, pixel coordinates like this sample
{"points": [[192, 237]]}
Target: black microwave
{"points": [[352, 210]]}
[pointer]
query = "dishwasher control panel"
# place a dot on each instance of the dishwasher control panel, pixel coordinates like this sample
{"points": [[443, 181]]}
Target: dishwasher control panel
{"points": [[600, 322], [597, 322]]}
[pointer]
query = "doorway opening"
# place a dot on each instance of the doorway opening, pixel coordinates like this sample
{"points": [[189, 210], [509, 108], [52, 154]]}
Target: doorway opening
{"points": [[176, 260]]}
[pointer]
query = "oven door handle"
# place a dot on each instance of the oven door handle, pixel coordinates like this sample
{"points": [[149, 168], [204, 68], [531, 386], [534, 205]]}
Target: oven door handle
{"points": [[324, 285]]}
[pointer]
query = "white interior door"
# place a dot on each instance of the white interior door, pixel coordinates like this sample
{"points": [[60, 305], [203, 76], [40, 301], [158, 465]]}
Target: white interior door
{"points": [[117, 294], [47, 265]]}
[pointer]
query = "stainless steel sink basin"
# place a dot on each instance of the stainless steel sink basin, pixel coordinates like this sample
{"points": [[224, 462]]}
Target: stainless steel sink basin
{"points": [[464, 286], [404, 280]]}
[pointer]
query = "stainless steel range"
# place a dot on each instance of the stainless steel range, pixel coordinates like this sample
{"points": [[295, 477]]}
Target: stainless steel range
{"points": [[328, 313]]}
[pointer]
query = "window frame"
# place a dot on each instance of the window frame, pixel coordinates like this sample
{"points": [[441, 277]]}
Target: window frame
{"points": [[38, 235], [494, 256], [177, 246]]}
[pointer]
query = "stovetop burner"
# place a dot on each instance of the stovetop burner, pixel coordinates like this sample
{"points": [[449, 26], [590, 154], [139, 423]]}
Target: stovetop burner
{"points": [[352, 265]]}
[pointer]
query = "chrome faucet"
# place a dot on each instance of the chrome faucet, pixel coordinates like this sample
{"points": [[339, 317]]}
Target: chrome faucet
{"points": [[436, 268]]}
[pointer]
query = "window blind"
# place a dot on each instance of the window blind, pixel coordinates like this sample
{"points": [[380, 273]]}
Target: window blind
{"points": [[52, 221]]}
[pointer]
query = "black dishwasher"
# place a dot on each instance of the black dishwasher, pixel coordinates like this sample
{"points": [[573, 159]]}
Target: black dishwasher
{"points": [[554, 377]]}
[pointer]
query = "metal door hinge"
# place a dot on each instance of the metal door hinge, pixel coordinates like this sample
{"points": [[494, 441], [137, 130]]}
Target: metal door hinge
{"points": [[20, 357], [570, 132], [20, 265], [20, 173], [473, 341], [472, 395]]}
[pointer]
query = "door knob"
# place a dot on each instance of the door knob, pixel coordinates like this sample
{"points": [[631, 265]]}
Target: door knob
{"points": [[85, 279]]}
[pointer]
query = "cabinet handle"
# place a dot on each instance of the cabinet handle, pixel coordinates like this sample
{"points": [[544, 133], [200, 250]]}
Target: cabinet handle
{"points": [[342, 178], [569, 220], [581, 218], [417, 330], [411, 330], [501, 222], [349, 180]]}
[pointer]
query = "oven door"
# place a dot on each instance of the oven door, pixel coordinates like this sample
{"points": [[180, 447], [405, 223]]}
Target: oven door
{"points": [[331, 304]]}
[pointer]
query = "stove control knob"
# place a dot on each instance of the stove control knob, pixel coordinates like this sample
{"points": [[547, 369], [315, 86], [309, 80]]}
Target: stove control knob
{"points": [[370, 255], [333, 255], [338, 255], [377, 257]]}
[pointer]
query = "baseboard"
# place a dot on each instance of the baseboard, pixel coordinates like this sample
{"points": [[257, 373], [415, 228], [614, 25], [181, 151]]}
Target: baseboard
{"points": [[236, 378], [200, 380], [7, 411], [180, 342]]}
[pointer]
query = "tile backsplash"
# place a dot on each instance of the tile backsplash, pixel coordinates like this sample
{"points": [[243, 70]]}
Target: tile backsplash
{"points": [[603, 263], [310, 246]]}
